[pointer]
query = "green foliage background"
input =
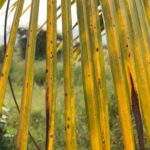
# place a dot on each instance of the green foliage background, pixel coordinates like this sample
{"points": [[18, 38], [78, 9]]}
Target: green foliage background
{"points": [[8, 130], [37, 126]]}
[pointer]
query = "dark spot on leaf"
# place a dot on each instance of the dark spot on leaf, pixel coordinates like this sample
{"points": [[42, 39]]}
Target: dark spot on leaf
{"points": [[66, 94], [99, 82], [1, 74], [129, 55], [68, 126]]}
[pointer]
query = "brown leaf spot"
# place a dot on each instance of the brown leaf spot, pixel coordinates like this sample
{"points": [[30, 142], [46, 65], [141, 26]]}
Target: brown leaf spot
{"points": [[1, 74], [129, 55], [68, 126]]}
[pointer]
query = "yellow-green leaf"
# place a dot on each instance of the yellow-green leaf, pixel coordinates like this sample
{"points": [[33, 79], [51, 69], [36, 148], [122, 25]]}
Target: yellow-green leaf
{"points": [[2, 2]]}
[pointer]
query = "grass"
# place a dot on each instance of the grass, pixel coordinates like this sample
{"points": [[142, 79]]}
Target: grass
{"points": [[37, 124]]}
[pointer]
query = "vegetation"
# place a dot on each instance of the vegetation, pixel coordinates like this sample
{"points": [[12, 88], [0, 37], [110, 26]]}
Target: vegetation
{"points": [[40, 52], [38, 114], [81, 101]]}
